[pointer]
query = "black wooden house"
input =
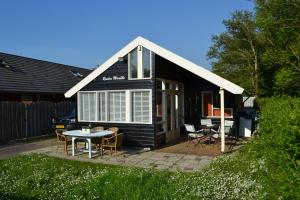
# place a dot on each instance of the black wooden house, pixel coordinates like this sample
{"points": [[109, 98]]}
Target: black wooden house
{"points": [[150, 92]]}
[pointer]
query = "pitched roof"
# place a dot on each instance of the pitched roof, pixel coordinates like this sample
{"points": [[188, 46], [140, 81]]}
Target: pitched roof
{"points": [[180, 61], [21, 74]]}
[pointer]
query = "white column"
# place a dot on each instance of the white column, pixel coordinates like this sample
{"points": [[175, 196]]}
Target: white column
{"points": [[222, 120]]}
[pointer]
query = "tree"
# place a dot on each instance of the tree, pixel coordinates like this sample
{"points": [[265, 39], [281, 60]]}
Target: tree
{"points": [[235, 52], [279, 23]]}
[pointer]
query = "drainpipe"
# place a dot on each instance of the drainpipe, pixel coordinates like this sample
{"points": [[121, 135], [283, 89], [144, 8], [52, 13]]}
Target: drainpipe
{"points": [[222, 120]]}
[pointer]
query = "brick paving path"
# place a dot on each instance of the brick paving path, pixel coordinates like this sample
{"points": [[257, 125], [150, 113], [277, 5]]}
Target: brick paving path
{"points": [[128, 157]]}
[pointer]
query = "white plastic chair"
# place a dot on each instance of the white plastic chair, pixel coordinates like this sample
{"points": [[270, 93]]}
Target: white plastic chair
{"points": [[206, 122], [192, 133]]}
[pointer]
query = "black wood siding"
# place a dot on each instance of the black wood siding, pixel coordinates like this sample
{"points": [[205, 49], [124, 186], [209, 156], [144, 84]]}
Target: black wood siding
{"points": [[193, 86], [135, 134]]}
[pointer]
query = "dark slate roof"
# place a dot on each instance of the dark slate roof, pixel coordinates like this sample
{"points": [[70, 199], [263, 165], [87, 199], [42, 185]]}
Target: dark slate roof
{"points": [[21, 74]]}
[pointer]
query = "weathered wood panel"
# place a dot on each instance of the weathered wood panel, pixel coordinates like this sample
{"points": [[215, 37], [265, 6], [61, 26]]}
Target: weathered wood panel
{"points": [[19, 120]]}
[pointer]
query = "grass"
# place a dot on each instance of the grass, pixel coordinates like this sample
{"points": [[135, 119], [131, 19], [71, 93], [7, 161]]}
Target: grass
{"points": [[39, 176], [266, 168]]}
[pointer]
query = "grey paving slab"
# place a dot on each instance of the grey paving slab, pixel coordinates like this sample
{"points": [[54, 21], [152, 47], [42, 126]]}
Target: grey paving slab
{"points": [[128, 157]]}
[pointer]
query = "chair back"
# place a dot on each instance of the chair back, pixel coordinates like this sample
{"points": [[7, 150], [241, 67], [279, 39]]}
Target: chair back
{"points": [[228, 126], [119, 140], [206, 122], [114, 130], [59, 134], [98, 128], [189, 128], [228, 123]]}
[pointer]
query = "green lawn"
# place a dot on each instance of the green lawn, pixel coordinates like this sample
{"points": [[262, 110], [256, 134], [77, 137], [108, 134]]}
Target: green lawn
{"points": [[268, 167], [42, 177]]}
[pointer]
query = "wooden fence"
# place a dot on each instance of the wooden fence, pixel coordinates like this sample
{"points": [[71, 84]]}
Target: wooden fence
{"points": [[19, 120]]}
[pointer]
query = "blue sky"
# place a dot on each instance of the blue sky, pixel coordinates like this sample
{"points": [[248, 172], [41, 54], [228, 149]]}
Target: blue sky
{"points": [[86, 33]]}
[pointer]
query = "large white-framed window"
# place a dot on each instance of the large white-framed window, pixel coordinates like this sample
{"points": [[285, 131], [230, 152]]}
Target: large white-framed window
{"points": [[115, 106], [141, 104], [140, 61], [87, 108]]}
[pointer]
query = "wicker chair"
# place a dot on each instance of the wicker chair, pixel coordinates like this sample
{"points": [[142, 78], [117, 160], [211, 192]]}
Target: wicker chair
{"points": [[97, 141], [115, 130], [62, 139], [113, 142], [98, 128]]}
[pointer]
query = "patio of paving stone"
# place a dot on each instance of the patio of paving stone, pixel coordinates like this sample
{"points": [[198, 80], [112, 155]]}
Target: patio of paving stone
{"points": [[136, 157]]}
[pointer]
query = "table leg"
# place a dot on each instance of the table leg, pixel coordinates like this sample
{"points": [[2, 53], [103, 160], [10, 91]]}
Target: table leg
{"points": [[73, 146], [101, 147], [90, 147]]}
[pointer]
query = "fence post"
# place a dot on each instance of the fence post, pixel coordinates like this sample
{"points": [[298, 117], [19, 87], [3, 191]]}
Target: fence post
{"points": [[26, 121]]}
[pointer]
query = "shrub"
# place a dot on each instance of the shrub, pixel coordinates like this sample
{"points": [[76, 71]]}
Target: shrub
{"points": [[278, 143]]}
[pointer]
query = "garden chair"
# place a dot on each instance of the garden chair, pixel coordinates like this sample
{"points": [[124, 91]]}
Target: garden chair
{"points": [[97, 141], [194, 135], [206, 122], [113, 143], [98, 128], [227, 130], [228, 126], [115, 130], [62, 139]]}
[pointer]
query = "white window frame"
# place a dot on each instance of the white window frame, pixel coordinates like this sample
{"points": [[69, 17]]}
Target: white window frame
{"points": [[213, 108], [108, 105], [79, 104], [128, 102], [140, 69], [150, 103]]}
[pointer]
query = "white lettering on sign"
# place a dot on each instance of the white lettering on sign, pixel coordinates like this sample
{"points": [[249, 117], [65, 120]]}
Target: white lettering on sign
{"points": [[113, 78]]}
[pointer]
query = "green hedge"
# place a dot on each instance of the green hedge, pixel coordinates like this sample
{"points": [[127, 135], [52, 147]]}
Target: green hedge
{"points": [[278, 144]]}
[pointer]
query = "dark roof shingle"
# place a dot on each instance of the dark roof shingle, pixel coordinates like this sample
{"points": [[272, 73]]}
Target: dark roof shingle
{"points": [[22, 74]]}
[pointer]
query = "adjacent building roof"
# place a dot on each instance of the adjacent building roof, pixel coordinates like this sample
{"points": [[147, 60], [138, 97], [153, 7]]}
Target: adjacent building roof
{"points": [[21, 74], [180, 61]]}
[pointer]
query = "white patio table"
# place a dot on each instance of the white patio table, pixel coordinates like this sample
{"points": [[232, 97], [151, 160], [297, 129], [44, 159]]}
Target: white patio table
{"points": [[88, 137]]}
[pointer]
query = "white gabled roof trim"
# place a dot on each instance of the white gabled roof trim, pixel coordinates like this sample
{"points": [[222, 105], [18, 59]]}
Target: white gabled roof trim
{"points": [[178, 60]]}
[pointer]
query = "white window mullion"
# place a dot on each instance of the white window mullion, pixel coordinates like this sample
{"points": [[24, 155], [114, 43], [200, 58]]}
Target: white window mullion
{"points": [[128, 105], [96, 106], [140, 62], [106, 106], [89, 106]]}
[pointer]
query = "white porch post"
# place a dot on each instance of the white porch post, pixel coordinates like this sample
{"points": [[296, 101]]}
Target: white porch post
{"points": [[222, 120]]}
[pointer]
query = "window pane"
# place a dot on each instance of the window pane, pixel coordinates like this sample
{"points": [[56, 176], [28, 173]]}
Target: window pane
{"points": [[141, 106], [133, 63], [92, 106], [117, 106], [87, 106], [146, 62], [101, 106]]}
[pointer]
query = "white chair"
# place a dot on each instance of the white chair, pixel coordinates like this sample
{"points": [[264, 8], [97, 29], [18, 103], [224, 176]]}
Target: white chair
{"points": [[206, 122], [192, 133], [228, 127], [228, 124]]}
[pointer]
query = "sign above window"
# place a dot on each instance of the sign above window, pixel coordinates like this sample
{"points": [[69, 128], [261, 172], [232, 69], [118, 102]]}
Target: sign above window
{"points": [[113, 78]]}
